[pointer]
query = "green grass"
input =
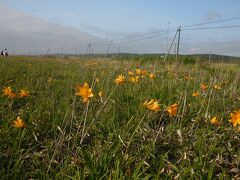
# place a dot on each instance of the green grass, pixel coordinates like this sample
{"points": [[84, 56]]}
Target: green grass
{"points": [[116, 137]]}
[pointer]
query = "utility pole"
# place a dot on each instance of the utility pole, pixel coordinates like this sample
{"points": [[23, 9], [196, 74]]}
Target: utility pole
{"points": [[175, 50], [109, 47], [86, 51], [62, 50], [178, 43], [75, 51], [209, 57], [170, 46], [89, 48], [118, 51], [168, 34]]}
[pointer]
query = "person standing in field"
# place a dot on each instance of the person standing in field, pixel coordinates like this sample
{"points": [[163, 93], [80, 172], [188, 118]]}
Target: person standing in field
{"points": [[2, 53], [6, 52]]}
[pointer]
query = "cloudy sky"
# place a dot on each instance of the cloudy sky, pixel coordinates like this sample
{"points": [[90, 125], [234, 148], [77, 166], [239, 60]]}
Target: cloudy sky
{"points": [[133, 26]]}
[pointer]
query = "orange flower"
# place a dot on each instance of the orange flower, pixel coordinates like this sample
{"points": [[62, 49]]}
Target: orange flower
{"points": [[101, 93], [172, 110], [7, 91], [187, 77], [19, 123], [203, 87], [214, 121], [85, 92], [235, 118], [144, 72], [24, 93], [152, 105], [120, 79], [151, 76], [195, 94]]}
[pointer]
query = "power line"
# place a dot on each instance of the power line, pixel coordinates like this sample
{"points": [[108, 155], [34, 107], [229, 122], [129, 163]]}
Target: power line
{"points": [[217, 27], [136, 38], [166, 31], [150, 35], [212, 22]]}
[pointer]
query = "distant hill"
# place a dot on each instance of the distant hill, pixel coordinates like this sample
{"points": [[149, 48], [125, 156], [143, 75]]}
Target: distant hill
{"points": [[214, 58]]}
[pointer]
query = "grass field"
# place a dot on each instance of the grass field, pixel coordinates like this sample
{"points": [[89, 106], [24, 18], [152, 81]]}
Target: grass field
{"points": [[48, 132]]}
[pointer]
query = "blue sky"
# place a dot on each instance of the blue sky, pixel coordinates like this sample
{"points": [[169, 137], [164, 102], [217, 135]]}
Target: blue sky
{"points": [[119, 19], [127, 15]]}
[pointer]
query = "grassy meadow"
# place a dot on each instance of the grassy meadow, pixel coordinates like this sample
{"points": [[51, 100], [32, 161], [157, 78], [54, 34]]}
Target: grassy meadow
{"points": [[140, 119]]}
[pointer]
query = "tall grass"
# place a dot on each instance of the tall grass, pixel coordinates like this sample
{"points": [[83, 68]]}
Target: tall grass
{"points": [[114, 136]]}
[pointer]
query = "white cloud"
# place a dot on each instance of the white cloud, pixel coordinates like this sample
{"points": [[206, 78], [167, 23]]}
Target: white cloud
{"points": [[212, 16], [194, 50], [24, 32]]}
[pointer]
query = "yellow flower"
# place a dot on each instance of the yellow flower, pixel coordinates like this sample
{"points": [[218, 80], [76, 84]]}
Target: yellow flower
{"points": [[214, 121], [133, 79], [85, 92], [172, 110], [195, 94], [120, 79], [50, 80], [146, 103], [151, 76], [101, 93], [238, 129], [235, 118], [97, 80], [152, 105], [24, 93], [7, 91], [138, 71], [130, 73], [217, 87], [137, 78], [203, 87], [19, 123], [29, 66]]}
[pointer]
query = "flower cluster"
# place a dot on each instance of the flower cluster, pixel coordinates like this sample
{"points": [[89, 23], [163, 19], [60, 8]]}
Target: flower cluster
{"points": [[134, 77], [154, 106], [7, 91]]}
